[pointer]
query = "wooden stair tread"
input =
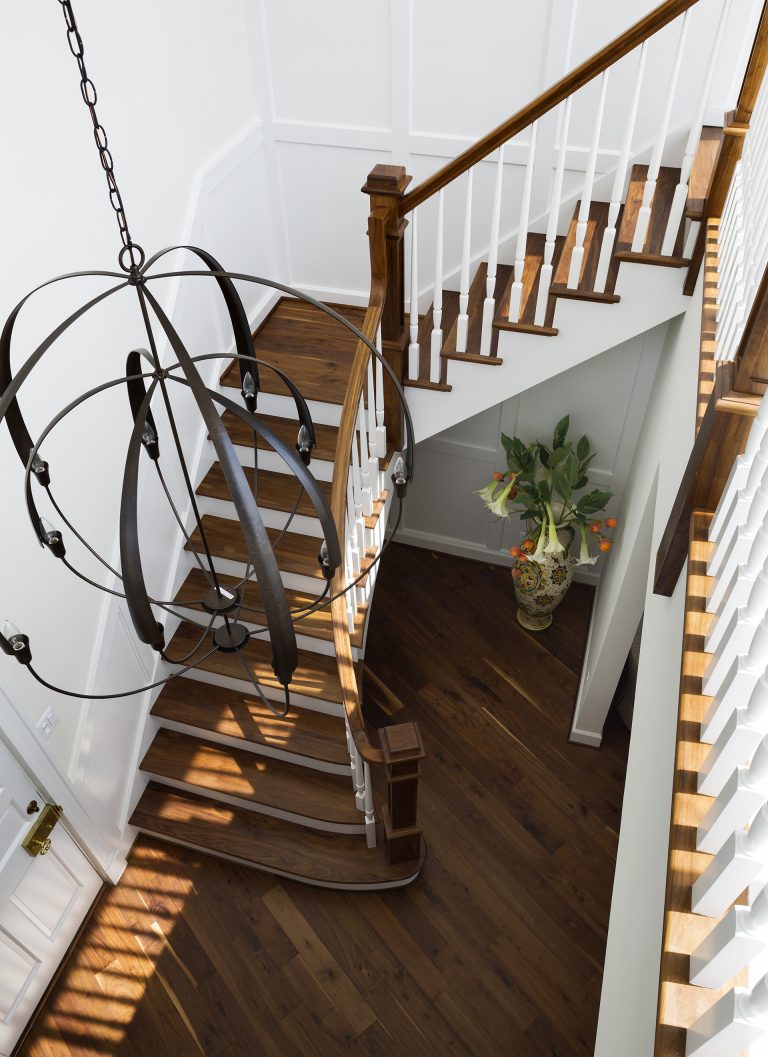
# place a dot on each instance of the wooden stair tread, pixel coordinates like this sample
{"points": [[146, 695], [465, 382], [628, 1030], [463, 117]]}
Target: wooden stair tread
{"points": [[277, 491], [263, 780], [593, 240], [217, 710], [296, 553], [660, 207], [287, 430], [316, 625], [316, 674], [703, 168], [315, 351], [332, 859], [534, 258]]}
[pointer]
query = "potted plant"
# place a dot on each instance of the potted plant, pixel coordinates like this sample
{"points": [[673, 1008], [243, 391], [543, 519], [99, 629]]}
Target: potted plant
{"points": [[540, 485]]}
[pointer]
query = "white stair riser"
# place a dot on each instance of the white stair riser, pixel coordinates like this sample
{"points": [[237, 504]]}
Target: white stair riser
{"points": [[321, 469], [274, 519], [228, 567], [276, 406]]}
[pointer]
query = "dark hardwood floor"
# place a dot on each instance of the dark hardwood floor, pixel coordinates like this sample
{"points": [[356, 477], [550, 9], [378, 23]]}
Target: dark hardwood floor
{"points": [[496, 951]]}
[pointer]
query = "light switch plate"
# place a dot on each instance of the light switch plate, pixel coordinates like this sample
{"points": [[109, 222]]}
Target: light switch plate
{"points": [[47, 722]]}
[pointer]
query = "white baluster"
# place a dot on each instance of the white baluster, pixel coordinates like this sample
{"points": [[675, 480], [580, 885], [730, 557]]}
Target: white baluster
{"points": [[735, 1021], [349, 597], [736, 805], [740, 860], [739, 473], [373, 460], [644, 214], [743, 509], [436, 342], [738, 591], [734, 550], [620, 179], [352, 535], [738, 740], [370, 817], [462, 323], [681, 191], [516, 293], [731, 944], [545, 276], [737, 638], [577, 255], [737, 685], [489, 304], [366, 493], [413, 348], [356, 765]]}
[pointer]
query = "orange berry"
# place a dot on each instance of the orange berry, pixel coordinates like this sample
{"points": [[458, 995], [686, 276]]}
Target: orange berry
{"points": [[610, 522], [594, 527], [523, 558], [605, 545], [512, 493], [529, 545], [497, 476], [515, 552]]}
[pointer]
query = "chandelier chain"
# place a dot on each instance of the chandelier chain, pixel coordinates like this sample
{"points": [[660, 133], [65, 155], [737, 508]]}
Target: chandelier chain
{"points": [[131, 255]]}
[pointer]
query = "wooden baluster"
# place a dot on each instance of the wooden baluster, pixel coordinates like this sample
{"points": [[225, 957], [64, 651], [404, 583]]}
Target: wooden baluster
{"points": [[386, 185], [521, 248], [577, 255], [681, 191], [436, 340], [731, 944], [620, 179], [414, 367], [402, 749], [644, 214], [744, 794], [732, 1024], [489, 304], [462, 323], [545, 277], [738, 739]]}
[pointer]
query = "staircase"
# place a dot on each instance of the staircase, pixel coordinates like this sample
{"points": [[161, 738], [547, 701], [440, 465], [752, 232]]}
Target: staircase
{"points": [[295, 796]]}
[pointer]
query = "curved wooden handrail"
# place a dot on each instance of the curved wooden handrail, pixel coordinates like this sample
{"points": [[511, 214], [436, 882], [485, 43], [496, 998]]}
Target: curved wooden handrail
{"points": [[566, 86], [341, 638]]}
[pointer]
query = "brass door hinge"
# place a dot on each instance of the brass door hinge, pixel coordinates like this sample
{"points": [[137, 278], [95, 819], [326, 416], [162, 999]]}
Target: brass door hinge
{"points": [[38, 840]]}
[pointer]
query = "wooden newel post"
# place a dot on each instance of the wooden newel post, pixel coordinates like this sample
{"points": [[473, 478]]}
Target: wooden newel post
{"points": [[402, 749], [386, 185]]}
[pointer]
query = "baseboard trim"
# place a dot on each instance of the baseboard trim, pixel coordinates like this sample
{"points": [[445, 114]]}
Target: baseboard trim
{"points": [[586, 737]]}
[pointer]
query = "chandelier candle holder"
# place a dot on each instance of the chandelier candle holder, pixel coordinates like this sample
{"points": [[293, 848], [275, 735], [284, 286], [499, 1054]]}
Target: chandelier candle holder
{"points": [[148, 384]]}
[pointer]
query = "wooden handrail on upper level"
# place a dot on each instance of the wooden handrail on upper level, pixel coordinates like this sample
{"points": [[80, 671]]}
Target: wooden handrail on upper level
{"points": [[548, 100]]}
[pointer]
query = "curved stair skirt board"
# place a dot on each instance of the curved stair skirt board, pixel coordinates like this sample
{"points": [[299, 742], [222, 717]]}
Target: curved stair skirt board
{"points": [[322, 413], [324, 825], [310, 643], [650, 295], [338, 886], [586, 737], [257, 748], [242, 686]]}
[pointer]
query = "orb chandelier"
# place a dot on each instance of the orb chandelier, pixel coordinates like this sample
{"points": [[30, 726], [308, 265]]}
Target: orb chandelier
{"points": [[148, 384]]}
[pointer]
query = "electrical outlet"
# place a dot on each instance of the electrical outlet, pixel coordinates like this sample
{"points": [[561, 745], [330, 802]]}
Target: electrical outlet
{"points": [[47, 722]]}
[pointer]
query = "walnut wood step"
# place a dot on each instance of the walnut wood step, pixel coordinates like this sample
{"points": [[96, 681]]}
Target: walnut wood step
{"points": [[276, 491], [593, 241], [315, 625], [218, 770], [316, 675], [331, 860], [703, 169], [296, 553], [287, 430], [660, 207], [315, 351], [534, 258], [229, 713]]}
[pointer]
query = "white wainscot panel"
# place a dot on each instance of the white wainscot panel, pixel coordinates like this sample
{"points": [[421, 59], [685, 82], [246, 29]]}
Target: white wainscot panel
{"points": [[440, 501], [481, 432], [475, 65], [328, 216], [336, 70]]}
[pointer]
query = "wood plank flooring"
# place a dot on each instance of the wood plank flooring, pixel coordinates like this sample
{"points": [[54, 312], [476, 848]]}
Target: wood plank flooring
{"points": [[496, 951]]}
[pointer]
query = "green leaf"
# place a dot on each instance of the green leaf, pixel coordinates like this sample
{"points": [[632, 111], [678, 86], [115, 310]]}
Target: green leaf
{"points": [[594, 501], [545, 491], [544, 455], [581, 483], [561, 430], [561, 483], [571, 468], [558, 455], [582, 449], [586, 463]]}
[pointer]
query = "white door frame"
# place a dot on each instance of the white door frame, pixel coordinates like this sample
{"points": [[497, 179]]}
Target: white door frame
{"points": [[22, 743]]}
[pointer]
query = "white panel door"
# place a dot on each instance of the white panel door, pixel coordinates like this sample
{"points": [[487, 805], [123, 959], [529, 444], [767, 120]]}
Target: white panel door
{"points": [[43, 900]]}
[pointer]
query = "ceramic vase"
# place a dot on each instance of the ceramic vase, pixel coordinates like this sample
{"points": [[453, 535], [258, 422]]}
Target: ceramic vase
{"points": [[542, 585]]}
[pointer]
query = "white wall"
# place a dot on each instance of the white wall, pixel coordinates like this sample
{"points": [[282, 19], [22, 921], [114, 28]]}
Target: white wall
{"points": [[415, 82], [442, 512], [180, 105], [630, 978]]}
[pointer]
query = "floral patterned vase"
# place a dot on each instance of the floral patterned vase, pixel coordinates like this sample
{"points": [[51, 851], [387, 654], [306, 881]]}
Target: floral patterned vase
{"points": [[542, 585]]}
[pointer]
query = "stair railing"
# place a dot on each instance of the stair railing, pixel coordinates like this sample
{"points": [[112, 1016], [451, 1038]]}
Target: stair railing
{"points": [[682, 233], [357, 495]]}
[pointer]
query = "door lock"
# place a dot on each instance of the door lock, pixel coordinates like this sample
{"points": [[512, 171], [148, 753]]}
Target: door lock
{"points": [[38, 840]]}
